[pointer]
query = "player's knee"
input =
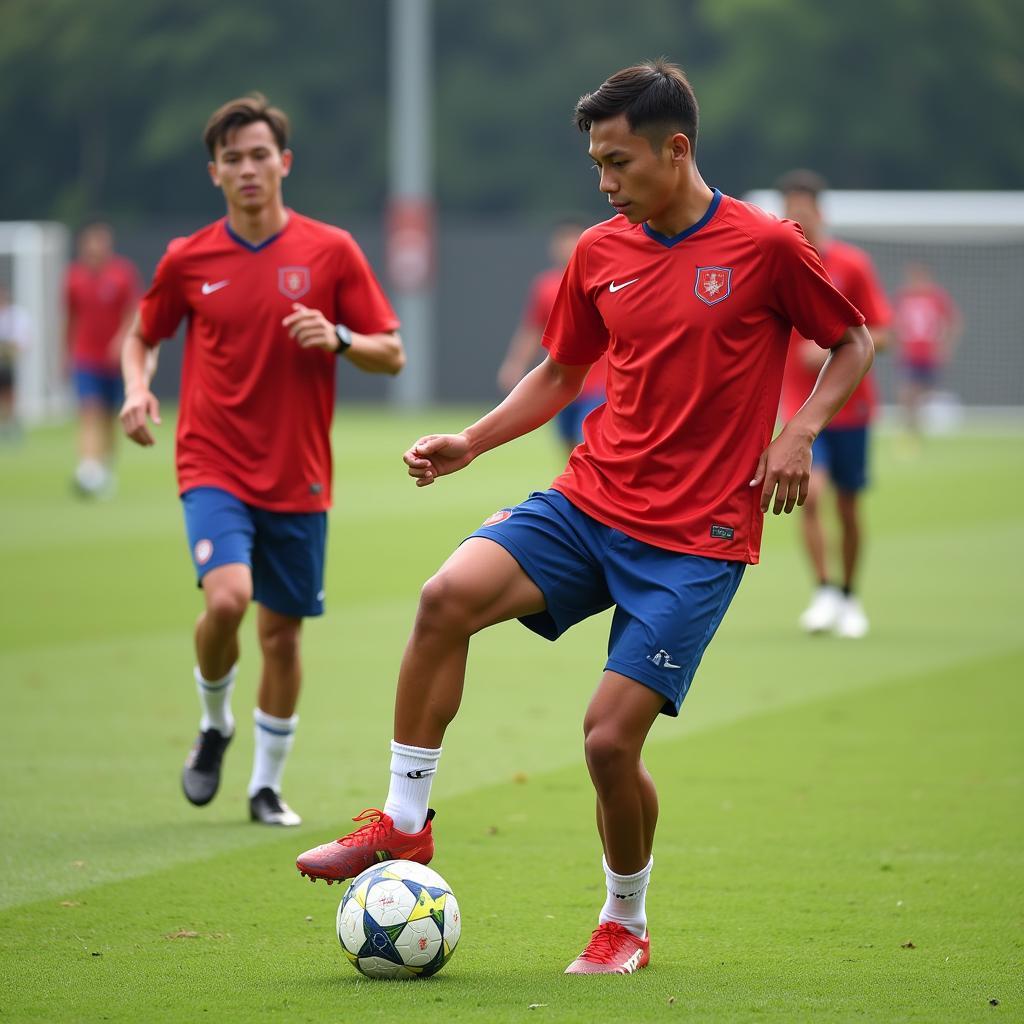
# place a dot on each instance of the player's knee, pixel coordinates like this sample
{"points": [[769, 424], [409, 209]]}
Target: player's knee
{"points": [[445, 604], [280, 642], [227, 604], [607, 751]]}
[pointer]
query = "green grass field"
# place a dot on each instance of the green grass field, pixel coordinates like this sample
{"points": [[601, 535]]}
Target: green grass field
{"points": [[842, 823]]}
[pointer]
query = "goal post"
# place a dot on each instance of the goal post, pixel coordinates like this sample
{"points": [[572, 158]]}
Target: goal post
{"points": [[973, 242], [33, 259]]}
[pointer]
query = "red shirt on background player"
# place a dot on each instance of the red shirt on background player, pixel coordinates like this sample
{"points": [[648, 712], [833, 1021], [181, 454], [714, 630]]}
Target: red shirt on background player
{"points": [[271, 299], [101, 290], [841, 449], [525, 345], [692, 295]]}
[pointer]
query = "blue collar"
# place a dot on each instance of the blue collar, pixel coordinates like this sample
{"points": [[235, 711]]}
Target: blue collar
{"points": [[691, 230], [235, 237]]}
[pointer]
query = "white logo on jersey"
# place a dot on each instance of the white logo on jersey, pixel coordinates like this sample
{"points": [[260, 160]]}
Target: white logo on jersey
{"points": [[663, 660], [613, 287], [209, 289]]}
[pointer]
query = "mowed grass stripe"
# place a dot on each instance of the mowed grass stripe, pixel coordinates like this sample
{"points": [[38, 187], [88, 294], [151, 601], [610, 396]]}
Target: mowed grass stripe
{"points": [[798, 854]]}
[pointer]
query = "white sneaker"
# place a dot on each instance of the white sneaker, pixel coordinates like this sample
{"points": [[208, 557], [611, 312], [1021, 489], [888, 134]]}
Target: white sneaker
{"points": [[823, 611], [851, 622]]}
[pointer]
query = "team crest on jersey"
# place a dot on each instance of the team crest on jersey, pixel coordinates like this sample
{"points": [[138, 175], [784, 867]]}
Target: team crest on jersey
{"points": [[293, 281], [203, 551], [498, 517], [713, 284]]}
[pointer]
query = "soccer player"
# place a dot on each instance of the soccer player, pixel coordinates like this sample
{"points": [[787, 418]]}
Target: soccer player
{"points": [[100, 295], [272, 300], [927, 326], [693, 295], [841, 449], [526, 345]]}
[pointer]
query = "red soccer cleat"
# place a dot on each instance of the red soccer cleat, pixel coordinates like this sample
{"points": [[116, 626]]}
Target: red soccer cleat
{"points": [[612, 949], [376, 841]]}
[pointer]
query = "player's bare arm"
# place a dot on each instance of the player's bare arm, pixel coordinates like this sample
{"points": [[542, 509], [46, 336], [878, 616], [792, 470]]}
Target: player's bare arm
{"points": [[785, 465], [138, 365], [542, 393], [373, 353]]}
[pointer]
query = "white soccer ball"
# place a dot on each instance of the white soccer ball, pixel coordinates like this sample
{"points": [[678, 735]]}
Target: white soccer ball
{"points": [[399, 919]]}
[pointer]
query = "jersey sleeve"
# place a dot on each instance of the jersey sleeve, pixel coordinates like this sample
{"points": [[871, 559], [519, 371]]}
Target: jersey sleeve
{"points": [[361, 302], [163, 306], [865, 291], [804, 295], [575, 333]]}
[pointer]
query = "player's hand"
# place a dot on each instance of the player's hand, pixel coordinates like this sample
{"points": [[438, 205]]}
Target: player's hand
{"points": [[437, 455], [139, 407], [785, 469], [310, 328]]}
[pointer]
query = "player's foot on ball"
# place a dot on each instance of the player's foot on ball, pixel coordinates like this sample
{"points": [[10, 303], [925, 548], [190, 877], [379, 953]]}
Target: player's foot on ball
{"points": [[201, 775], [268, 808], [612, 949], [376, 841]]}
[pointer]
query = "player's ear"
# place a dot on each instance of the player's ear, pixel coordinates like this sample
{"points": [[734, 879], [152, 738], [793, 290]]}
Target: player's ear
{"points": [[679, 146], [211, 169], [286, 162]]}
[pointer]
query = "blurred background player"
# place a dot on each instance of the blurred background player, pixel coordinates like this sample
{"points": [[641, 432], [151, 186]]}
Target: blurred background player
{"points": [[525, 346], [101, 292], [926, 327], [253, 446], [660, 508], [841, 449], [15, 337]]}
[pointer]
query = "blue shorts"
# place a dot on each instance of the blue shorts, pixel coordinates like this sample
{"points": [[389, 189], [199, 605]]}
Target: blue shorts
{"points": [[843, 453], [668, 604], [569, 422], [925, 374], [107, 389], [284, 550]]}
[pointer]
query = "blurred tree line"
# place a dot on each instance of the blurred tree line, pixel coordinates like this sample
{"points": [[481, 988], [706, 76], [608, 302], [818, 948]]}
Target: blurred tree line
{"points": [[104, 101]]}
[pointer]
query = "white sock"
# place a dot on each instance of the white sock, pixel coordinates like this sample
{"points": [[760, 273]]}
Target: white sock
{"points": [[215, 701], [626, 903], [274, 739], [412, 772]]}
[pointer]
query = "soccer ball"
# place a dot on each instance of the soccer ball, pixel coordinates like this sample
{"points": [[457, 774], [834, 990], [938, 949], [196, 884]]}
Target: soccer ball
{"points": [[399, 919]]}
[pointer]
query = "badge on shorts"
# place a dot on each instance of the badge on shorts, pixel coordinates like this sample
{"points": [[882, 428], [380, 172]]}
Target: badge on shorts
{"points": [[498, 517], [293, 282], [713, 284], [203, 551]]}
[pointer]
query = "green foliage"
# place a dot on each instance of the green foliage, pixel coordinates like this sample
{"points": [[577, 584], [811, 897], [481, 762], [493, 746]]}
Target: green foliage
{"points": [[104, 102]]}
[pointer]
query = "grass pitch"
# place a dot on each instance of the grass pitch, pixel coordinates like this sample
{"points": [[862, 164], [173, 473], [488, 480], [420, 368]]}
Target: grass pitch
{"points": [[842, 823]]}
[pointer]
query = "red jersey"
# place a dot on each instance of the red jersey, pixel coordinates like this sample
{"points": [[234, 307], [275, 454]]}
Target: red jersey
{"points": [[256, 408], [922, 320], [853, 274], [541, 301], [696, 329], [98, 302]]}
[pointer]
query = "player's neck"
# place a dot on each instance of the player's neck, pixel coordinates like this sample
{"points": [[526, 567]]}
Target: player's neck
{"points": [[256, 226], [686, 210]]}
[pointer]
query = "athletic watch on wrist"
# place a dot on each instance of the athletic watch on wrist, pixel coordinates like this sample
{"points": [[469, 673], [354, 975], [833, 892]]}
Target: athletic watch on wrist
{"points": [[344, 339]]}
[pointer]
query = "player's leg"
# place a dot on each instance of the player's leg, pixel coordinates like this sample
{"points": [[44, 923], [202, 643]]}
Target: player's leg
{"points": [[850, 470], [91, 472], [821, 613], [220, 534]]}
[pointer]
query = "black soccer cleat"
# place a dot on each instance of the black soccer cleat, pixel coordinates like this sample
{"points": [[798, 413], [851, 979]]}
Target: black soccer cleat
{"points": [[200, 777], [268, 808]]}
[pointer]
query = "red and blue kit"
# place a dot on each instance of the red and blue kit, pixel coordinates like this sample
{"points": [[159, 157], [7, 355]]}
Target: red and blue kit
{"points": [[852, 273], [922, 320], [98, 302], [256, 408], [696, 329]]}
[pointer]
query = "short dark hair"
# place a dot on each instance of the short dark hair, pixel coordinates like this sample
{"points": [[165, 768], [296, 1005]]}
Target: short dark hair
{"points": [[238, 113], [801, 180], [655, 96]]}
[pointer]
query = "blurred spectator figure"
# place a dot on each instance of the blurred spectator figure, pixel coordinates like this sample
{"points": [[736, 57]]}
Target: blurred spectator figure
{"points": [[101, 292], [840, 451], [525, 345], [15, 337], [927, 326]]}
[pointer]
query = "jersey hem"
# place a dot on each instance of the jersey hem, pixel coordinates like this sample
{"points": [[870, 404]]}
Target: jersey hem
{"points": [[249, 498]]}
